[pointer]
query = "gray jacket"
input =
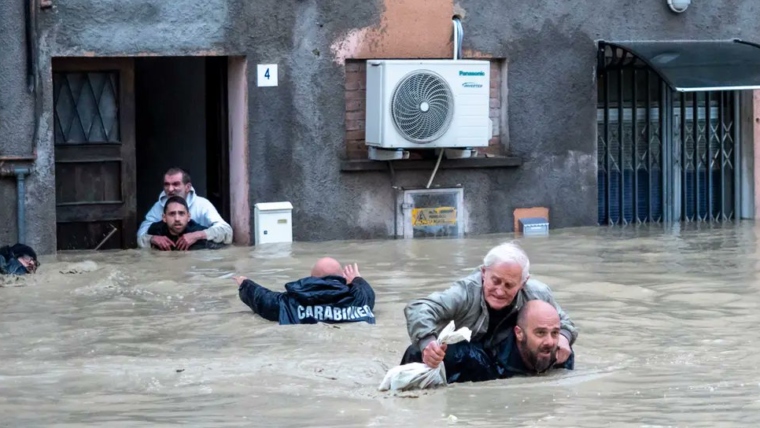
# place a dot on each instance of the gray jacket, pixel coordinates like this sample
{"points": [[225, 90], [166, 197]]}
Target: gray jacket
{"points": [[463, 302]]}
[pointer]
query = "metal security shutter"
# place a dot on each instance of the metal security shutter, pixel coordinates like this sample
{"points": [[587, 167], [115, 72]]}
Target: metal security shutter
{"points": [[668, 151]]}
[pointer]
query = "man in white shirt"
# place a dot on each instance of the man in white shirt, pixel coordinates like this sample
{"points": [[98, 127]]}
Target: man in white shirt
{"points": [[177, 183]]}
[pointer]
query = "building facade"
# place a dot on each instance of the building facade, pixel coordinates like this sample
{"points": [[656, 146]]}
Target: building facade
{"points": [[97, 99]]}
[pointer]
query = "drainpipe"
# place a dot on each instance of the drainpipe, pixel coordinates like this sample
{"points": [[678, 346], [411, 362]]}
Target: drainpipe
{"points": [[20, 172], [32, 71]]}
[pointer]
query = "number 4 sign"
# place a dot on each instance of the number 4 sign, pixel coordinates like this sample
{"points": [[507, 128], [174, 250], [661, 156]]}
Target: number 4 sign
{"points": [[267, 75]]}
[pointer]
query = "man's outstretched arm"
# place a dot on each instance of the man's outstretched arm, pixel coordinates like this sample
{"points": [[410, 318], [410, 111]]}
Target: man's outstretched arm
{"points": [[261, 300]]}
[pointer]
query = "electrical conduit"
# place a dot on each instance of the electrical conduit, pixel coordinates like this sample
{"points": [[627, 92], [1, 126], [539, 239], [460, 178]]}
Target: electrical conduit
{"points": [[458, 37]]}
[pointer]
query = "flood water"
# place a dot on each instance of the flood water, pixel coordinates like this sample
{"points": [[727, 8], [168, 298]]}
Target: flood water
{"points": [[669, 336]]}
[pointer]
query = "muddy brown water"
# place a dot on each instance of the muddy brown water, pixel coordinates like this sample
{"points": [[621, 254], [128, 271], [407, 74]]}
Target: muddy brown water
{"points": [[668, 325]]}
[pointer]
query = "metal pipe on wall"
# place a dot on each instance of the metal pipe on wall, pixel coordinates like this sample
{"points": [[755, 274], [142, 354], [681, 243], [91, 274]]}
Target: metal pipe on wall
{"points": [[12, 158], [32, 70], [20, 172], [458, 37]]}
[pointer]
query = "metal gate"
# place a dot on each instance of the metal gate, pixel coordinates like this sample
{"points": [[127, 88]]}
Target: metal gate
{"points": [[663, 155]]}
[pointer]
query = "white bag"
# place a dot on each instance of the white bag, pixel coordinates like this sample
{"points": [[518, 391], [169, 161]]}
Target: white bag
{"points": [[420, 375]]}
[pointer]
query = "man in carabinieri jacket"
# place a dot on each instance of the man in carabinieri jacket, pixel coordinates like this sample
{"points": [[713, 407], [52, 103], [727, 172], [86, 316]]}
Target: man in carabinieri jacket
{"points": [[331, 294]]}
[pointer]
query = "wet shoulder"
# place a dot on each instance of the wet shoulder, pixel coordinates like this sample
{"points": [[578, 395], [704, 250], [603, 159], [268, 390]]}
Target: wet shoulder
{"points": [[202, 203], [193, 226], [156, 228], [473, 281], [470, 286]]}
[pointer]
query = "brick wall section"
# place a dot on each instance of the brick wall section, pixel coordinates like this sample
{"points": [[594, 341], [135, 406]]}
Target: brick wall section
{"points": [[495, 113], [356, 79]]}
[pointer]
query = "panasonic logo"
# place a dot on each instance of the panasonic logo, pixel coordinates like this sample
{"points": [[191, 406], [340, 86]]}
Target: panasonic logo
{"points": [[471, 85], [471, 73]]}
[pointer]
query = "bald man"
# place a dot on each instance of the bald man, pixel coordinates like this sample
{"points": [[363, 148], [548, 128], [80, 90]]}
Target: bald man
{"points": [[328, 266], [536, 339], [530, 349], [330, 294]]}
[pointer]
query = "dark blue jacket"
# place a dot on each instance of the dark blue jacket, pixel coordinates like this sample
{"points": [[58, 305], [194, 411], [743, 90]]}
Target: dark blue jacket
{"points": [[9, 255], [311, 300], [471, 362], [11, 266]]}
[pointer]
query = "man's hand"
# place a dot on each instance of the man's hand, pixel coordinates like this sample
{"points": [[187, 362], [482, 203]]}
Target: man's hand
{"points": [[351, 272], [433, 354], [239, 279], [563, 351], [162, 242], [187, 240]]}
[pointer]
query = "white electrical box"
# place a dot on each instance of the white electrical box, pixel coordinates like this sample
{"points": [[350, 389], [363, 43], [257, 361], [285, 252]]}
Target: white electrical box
{"points": [[273, 222]]}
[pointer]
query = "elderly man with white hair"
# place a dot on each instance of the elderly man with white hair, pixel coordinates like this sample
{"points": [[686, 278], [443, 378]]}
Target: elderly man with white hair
{"points": [[487, 302]]}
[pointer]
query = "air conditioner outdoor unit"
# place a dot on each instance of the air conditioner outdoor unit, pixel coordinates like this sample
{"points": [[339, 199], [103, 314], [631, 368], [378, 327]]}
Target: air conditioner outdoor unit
{"points": [[428, 104]]}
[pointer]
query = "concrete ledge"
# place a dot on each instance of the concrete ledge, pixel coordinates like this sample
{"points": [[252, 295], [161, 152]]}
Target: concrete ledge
{"points": [[365, 165]]}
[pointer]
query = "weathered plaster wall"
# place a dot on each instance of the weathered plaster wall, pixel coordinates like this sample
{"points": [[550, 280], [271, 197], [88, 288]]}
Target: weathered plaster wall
{"points": [[16, 105], [296, 130], [16, 108]]}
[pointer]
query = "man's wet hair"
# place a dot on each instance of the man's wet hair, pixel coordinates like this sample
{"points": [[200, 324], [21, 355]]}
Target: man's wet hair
{"points": [[176, 200], [175, 170], [509, 252]]}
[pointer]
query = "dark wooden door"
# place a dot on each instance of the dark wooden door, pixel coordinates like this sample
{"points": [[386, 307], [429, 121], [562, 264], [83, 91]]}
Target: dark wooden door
{"points": [[94, 152]]}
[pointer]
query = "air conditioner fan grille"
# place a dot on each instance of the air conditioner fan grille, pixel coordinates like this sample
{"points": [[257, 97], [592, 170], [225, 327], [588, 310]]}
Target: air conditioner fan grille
{"points": [[422, 107]]}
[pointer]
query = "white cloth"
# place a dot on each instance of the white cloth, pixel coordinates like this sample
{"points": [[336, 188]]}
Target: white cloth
{"points": [[420, 375]]}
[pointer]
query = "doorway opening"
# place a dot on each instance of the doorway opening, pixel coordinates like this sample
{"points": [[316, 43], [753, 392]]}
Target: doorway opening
{"points": [[181, 121]]}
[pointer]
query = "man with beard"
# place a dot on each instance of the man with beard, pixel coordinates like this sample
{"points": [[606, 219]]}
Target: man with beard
{"points": [[531, 349], [202, 211], [537, 336], [487, 302], [175, 224]]}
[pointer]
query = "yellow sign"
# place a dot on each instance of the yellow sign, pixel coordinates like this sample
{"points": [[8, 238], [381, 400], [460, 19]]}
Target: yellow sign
{"points": [[434, 216]]}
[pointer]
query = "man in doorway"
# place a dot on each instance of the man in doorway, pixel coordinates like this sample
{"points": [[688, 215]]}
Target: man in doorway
{"points": [[331, 294], [175, 224], [530, 349], [18, 259], [487, 302], [177, 183]]}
